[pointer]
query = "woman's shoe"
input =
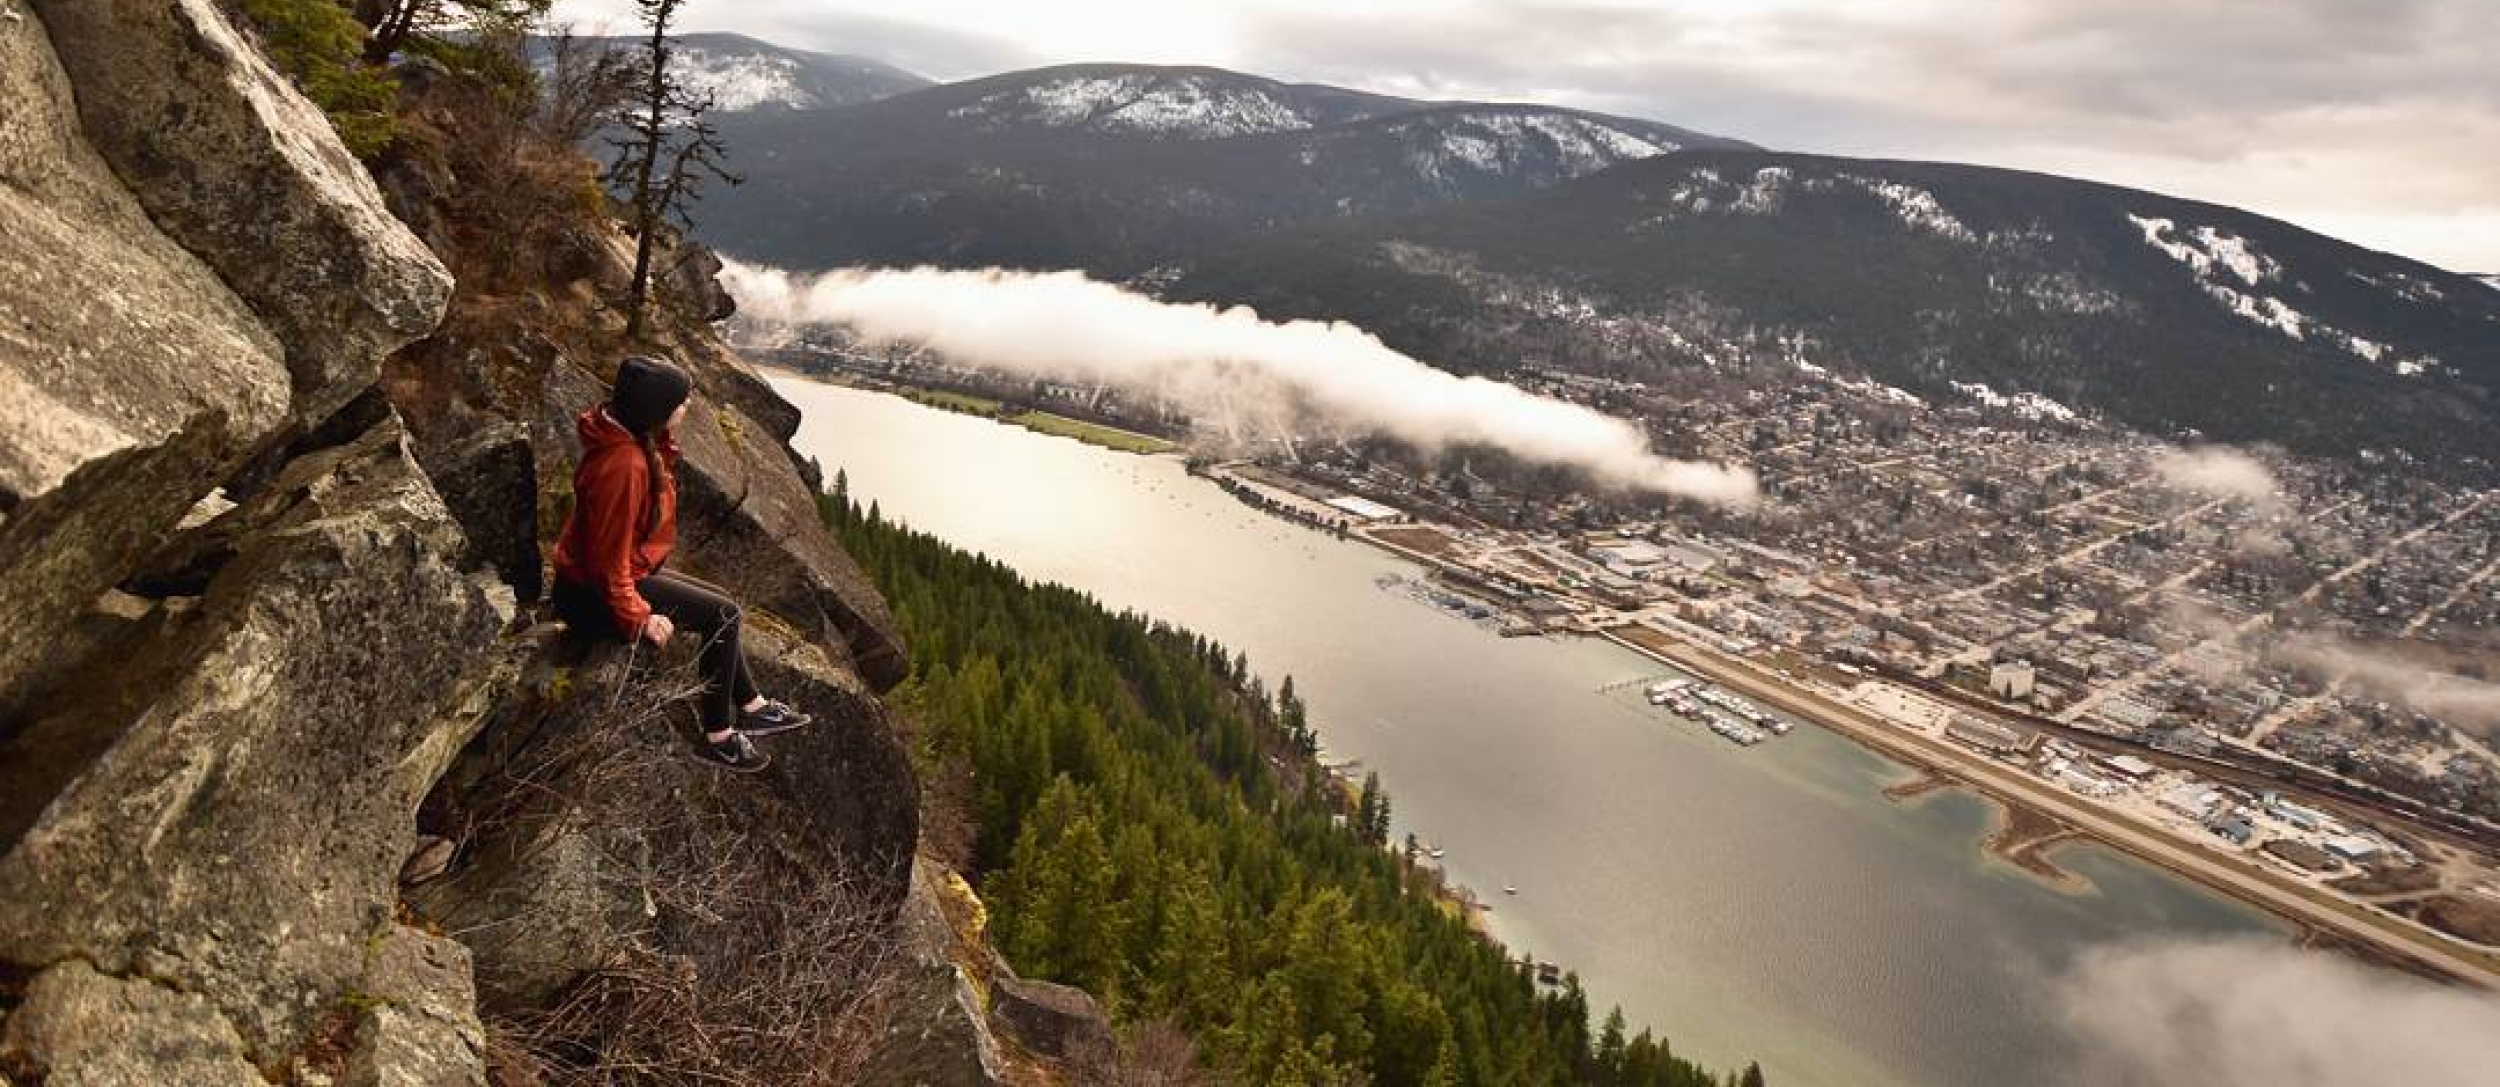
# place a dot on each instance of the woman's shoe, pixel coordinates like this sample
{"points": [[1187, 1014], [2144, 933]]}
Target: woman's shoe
{"points": [[774, 716], [736, 754]]}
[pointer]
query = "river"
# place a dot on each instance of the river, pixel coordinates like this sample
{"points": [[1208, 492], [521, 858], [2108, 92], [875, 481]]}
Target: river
{"points": [[1747, 903]]}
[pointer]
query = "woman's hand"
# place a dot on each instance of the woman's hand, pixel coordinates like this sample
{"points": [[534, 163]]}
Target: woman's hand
{"points": [[658, 629]]}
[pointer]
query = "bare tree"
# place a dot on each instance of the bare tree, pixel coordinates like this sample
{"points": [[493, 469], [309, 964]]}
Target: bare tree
{"points": [[393, 22], [668, 150], [582, 84]]}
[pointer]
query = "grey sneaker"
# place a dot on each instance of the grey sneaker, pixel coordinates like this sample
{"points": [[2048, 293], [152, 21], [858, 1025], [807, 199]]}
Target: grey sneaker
{"points": [[736, 754], [775, 716]]}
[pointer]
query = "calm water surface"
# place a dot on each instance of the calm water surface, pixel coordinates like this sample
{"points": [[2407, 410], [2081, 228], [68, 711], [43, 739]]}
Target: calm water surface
{"points": [[1765, 903]]}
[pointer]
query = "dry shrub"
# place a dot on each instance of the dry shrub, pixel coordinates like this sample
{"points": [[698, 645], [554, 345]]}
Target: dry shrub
{"points": [[763, 962], [1155, 1053]]}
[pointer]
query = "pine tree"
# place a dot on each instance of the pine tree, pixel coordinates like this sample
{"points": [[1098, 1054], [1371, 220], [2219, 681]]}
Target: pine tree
{"points": [[1610, 1050], [1369, 806]]}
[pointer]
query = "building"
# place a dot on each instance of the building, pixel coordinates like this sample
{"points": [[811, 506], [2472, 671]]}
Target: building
{"points": [[2012, 680], [1365, 508], [2233, 829], [2191, 800], [2129, 768], [2301, 855], [2352, 847], [1989, 736], [2128, 713]]}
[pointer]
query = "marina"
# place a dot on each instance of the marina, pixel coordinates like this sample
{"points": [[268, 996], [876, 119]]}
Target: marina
{"points": [[1729, 717]]}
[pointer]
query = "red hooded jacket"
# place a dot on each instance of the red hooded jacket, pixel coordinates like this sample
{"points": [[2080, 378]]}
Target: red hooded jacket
{"points": [[614, 537]]}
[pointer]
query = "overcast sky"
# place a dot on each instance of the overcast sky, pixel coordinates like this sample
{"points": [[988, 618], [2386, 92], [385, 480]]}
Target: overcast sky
{"points": [[2377, 121]]}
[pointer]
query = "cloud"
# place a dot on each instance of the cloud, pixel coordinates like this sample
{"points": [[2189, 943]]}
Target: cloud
{"points": [[2217, 472], [2251, 1013], [2455, 699], [1224, 364]]}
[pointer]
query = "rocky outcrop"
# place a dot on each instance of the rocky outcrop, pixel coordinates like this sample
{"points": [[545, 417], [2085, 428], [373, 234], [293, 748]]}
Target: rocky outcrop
{"points": [[1050, 1019], [263, 631], [693, 282], [740, 497], [227, 806], [92, 1029], [131, 377], [245, 173], [937, 1036], [417, 1025]]}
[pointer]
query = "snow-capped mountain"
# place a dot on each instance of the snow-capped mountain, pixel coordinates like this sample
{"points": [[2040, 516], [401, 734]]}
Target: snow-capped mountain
{"points": [[1170, 103], [741, 73], [1125, 167]]}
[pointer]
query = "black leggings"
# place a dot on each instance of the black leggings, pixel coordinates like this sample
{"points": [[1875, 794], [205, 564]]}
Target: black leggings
{"points": [[697, 608]]}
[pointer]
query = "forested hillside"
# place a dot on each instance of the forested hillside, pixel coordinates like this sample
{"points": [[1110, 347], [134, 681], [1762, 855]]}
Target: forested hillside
{"points": [[1146, 823], [2165, 314]]}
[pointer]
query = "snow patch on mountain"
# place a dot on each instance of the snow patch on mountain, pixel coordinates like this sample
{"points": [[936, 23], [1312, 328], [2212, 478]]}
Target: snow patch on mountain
{"points": [[1704, 191], [2224, 263], [2492, 282], [2055, 292], [1154, 104], [1446, 147], [742, 81], [1915, 206], [2026, 405], [2205, 249], [2266, 310]]}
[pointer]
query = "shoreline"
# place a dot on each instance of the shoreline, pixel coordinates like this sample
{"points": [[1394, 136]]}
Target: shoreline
{"points": [[2314, 920], [2017, 836]]}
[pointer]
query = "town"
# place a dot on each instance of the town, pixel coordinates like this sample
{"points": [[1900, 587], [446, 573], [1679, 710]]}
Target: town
{"points": [[2258, 665]]}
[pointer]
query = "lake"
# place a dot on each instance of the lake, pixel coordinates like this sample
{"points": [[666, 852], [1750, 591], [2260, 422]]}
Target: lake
{"points": [[1747, 903]]}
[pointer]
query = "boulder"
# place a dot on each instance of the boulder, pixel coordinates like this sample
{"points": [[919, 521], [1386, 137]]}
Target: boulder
{"points": [[748, 521], [241, 170], [489, 479], [1053, 1020], [227, 808], [692, 282], [936, 1035], [542, 908], [556, 880], [848, 777], [83, 1028], [133, 377], [419, 1027]]}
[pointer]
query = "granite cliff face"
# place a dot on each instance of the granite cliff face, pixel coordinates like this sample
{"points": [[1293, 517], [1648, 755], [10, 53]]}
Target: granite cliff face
{"points": [[295, 786]]}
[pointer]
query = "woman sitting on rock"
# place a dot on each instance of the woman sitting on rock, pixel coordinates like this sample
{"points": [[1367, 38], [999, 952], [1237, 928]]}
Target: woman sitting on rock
{"points": [[624, 522]]}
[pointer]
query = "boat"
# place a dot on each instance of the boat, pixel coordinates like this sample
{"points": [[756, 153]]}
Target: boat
{"points": [[1509, 890], [1435, 852], [1735, 731]]}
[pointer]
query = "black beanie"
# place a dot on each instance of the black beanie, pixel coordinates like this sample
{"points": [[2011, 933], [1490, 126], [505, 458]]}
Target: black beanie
{"points": [[647, 391]]}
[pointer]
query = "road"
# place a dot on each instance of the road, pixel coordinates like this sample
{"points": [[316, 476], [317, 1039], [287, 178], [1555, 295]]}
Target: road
{"points": [[2106, 691]]}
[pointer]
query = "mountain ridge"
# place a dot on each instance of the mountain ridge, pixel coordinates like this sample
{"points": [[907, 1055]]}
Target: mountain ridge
{"points": [[1124, 168], [744, 73], [2169, 314]]}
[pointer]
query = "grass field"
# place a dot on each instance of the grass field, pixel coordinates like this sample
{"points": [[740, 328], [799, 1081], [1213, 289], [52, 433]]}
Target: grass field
{"points": [[939, 398], [1126, 441]]}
